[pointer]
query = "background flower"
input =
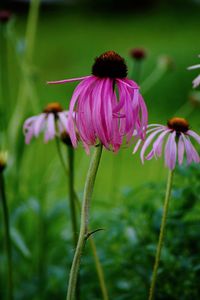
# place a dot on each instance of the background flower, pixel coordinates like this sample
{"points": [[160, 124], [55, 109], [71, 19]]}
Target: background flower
{"points": [[53, 122], [178, 142], [196, 81]]}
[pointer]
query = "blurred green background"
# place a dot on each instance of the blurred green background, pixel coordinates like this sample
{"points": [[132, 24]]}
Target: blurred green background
{"points": [[68, 39]]}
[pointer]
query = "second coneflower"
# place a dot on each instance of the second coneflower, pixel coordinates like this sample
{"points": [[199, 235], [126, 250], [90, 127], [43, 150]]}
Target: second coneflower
{"points": [[108, 106], [53, 121], [177, 143]]}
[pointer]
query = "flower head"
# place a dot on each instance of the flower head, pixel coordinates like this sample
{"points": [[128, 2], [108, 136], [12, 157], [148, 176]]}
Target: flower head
{"points": [[53, 122], [178, 142], [108, 106], [138, 53], [196, 81], [5, 16]]}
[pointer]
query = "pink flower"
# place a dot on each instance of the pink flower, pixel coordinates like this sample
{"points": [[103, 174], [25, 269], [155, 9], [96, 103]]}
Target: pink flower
{"points": [[53, 122], [196, 81], [178, 142], [108, 106]]}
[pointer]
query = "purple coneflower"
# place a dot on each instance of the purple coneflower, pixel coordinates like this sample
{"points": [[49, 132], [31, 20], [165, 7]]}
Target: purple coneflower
{"points": [[178, 142], [53, 122], [196, 81], [5, 16], [138, 53], [108, 105]]}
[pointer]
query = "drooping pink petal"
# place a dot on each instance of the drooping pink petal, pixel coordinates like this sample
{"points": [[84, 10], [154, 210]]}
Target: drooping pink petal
{"points": [[29, 123], [39, 124], [194, 135], [196, 81], [82, 86], [180, 150], [150, 155], [137, 146], [68, 80], [191, 153], [50, 127], [157, 146], [28, 135], [171, 151], [193, 67], [63, 120], [147, 142]]}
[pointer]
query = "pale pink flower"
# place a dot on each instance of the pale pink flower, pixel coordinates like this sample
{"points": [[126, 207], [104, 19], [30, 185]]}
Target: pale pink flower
{"points": [[108, 105], [196, 81], [178, 142], [52, 122]]}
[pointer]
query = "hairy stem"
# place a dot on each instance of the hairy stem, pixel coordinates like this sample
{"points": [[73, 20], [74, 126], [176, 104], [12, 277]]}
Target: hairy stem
{"points": [[89, 185], [161, 235], [99, 270], [7, 236], [71, 193]]}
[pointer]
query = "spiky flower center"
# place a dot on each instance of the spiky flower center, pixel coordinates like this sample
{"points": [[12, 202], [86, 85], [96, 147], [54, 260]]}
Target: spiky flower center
{"points": [[53, 107], [109, 64], [178, 124]]}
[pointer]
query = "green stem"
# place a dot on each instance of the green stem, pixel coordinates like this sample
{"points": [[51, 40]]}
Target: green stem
{"points": [[4, 85], [99, 270], [89, 185], [161, 235], [152, 79], [137, 69], [7, 235], [71, 193], [26, 78], [98, 266]]}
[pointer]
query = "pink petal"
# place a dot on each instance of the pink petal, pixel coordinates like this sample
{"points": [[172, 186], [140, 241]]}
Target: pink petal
{"points": [[50, 130], [157, 146], [68, 80], [39, 124], [180, 150], [196, 81], [147, 142], [191, 153], [170, 151], [194, 135], [28, 135]]}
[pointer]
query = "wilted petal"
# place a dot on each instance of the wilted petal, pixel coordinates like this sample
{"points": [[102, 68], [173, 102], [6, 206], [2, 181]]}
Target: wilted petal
{"points": [[39, 124], [194, 135], [191, 153], [147, 142], [180, 150], [170, 151]]}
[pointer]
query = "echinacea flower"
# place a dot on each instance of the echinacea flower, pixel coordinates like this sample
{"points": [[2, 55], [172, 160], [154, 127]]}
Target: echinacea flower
{"points": [[107, 104], [138, 53], [177, 143], [5, 16], [53, 122], [196, 81]]}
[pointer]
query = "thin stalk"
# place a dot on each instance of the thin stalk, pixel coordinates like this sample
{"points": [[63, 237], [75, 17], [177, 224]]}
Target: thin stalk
{"points": [[185, 110], [70, 151], [152, 79], [98, 266], [7, 236], [5, 91], [161, 235], [99, 270], [137, 69], [23, 93], [89, 185]]}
